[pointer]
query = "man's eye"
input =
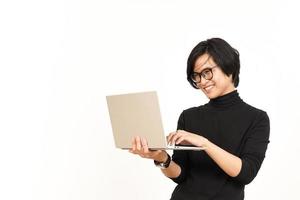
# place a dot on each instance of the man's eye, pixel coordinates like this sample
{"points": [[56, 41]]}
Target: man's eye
{"points": [[205, 72]]}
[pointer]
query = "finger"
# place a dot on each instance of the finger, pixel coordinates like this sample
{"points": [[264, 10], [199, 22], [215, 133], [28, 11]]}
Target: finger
{"points": [[145, 145], [142, 155], [136, 152], [179, 140], [185, 140], [133, 151], [170, 137], [133, 144], [175, 138], [138, 142]]}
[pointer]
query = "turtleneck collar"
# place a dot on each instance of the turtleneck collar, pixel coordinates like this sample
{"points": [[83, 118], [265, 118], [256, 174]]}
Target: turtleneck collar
{"points": [[226, 100]]}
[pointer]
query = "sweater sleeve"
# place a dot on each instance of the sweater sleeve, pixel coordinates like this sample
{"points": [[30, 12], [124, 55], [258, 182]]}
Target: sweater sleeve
{"points": [[180, 157], [254, 149]]}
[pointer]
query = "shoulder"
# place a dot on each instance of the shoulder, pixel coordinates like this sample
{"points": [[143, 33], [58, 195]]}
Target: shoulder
{"points": [[192, 110], [259, 117], [255, 111]]}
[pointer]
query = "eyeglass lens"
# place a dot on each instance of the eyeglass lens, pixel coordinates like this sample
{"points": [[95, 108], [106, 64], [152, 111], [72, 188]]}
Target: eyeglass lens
{"points": [[206, 74]]}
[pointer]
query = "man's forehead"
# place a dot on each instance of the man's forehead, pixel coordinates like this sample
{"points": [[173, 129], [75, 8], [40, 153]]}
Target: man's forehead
{"points": [[203, 61]]}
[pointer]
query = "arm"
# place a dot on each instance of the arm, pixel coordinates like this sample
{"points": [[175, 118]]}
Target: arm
{"points": [[228, 162], [179, 163], [140, 147], [243, 168], [173, 171], [253, 151]]}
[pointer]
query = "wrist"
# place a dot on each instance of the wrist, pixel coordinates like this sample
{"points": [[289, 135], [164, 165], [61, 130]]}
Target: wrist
{"points": [[206, 144], [162, 157], [165, 164]]}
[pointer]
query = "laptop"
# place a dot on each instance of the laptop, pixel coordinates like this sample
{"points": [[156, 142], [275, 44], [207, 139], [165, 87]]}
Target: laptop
{"points": [[138, 114]]}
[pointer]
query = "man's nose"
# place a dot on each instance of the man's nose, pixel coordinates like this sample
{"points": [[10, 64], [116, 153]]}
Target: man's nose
{"points": [[203, 82]]}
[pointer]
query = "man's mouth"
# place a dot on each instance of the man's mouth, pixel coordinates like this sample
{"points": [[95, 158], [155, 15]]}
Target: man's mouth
{"points": [[208, 88]]}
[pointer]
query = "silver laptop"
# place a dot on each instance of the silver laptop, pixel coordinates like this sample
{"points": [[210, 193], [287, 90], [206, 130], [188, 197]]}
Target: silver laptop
{"points": [[138, 114]]}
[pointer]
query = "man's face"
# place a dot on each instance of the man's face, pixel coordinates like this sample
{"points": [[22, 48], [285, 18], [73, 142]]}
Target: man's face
{"points": [[219, 85]]}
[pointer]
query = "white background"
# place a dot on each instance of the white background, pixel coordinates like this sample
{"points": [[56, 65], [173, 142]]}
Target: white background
{"points": [[59, 59]]}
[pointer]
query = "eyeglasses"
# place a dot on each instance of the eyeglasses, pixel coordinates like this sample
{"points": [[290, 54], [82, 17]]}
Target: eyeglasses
{"points": [[206, 74]]}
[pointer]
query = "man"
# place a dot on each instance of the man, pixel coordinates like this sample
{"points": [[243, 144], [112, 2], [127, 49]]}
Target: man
{"points": [[234, 134]]}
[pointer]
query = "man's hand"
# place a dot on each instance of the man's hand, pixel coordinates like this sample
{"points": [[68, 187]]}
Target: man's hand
{"points": [[140, 147]]}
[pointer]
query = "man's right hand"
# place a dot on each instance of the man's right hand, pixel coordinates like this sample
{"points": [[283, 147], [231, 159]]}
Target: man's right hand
{"points": [[140, 147]]}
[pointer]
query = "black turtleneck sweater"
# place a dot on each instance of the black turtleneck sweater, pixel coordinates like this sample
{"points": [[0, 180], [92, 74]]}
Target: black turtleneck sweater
{"points": [[236, 127]]}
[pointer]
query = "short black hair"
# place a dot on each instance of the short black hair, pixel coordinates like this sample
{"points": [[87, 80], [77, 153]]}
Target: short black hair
{"points": [[225, 56]]}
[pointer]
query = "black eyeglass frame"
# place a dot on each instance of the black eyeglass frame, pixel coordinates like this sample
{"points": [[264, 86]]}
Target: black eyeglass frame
{"points": [[195, 74]]}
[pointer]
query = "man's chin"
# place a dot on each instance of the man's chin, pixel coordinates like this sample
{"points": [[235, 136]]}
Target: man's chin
{"points": [[211, 95]]}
